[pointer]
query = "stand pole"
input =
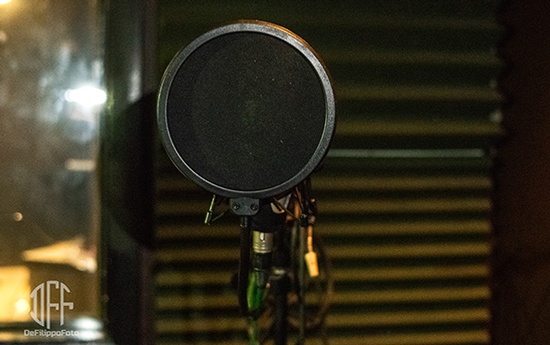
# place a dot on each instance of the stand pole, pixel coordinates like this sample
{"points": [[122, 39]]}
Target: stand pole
{"points": [[244, 266], [281, 286], [301, 282]]}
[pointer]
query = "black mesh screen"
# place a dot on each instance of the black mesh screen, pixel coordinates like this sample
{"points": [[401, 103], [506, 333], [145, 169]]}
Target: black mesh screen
{"points": [[246, 111]]}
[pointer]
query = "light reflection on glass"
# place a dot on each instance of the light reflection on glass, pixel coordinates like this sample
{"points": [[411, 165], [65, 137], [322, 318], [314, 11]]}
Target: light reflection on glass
{"points": [[87, 96], [51, 96]]}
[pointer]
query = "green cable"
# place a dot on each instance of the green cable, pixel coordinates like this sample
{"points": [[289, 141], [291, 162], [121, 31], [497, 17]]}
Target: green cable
{"points": [[255, 298], [255, 293], [253, 331]]}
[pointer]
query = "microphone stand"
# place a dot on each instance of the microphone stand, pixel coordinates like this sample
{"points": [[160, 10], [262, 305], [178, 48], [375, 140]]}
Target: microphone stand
{"points": [[260, 268], [270, 249]]}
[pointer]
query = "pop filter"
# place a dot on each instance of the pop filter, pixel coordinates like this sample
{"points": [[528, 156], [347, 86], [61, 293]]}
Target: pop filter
{"points": [[246, 110]]}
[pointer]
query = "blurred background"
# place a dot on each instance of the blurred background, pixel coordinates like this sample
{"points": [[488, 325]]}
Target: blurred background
{"points": [[404, 195], [89, 197]]}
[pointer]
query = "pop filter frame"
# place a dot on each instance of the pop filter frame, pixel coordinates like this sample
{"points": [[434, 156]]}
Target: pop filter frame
{"points": [[173, 110]]}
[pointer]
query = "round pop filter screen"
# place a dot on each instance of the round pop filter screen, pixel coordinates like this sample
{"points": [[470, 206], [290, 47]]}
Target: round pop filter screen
{"points": [[246, 110]]}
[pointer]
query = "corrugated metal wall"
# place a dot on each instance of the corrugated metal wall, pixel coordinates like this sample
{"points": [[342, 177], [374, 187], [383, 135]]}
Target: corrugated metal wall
{"points": [[403, 196]]}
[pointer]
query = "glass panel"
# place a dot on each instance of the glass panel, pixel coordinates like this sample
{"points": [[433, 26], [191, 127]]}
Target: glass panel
{"points": [[51, 97]]}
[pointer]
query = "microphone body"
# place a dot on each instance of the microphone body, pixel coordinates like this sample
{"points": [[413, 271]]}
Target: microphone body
{"points": [[264, 226]]}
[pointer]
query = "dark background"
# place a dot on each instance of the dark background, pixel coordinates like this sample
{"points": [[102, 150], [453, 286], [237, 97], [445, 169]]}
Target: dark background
{"points": [[404, 195]]}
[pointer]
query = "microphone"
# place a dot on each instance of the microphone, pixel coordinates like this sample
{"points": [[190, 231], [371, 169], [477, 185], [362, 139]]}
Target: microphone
{"points": [[265, 224], [262, 248], [247, 112]]}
